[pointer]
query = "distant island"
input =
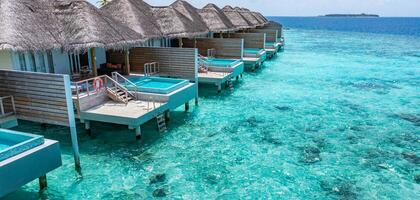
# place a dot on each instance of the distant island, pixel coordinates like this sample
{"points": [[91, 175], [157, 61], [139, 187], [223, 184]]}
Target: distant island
{"points": [[351, 15]]}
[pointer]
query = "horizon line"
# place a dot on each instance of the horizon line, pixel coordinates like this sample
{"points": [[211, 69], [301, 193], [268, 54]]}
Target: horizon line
{"points": [[380, 16]]}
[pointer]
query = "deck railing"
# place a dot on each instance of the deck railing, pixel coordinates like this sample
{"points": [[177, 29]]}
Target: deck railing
{"points": [[129, 85], [211, 53], [96, 85], [205, 63], [86, 88], [7, 106]]}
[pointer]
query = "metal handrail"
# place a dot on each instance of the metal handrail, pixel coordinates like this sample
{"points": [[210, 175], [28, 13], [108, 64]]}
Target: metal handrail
{"points": [[117, 76], [151, 68], [2, 110], [202, 61], [211, 53], [88, 83]]}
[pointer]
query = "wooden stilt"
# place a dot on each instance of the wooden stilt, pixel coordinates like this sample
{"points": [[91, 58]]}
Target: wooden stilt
{"points": [[43, 126], [87, 127], [187, 106], [127, 62], [168, 115], [93, 61], [43, 183], [138, 133]]}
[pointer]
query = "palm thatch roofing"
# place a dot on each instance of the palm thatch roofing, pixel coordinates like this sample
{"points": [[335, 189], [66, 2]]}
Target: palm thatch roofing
{"points": [[84, 26], [135, 14], [274, 24], [180, 19], [215, 19], [261, 19], [236, 18], [25, 26], [69, 25], [247, 15]]}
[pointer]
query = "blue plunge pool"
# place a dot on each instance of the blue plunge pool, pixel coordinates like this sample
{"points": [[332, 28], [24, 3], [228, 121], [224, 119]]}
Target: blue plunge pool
{"points": [[220, 62], [13, 143], [253, 52], [157, 84]]}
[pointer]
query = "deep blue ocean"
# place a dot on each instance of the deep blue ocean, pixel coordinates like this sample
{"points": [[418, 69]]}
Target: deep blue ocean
{"points": [[336, 115], [386, 25]]}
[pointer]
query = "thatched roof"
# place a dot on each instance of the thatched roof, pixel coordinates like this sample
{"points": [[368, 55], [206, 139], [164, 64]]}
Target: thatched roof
{"points": [[69, 25], [85, 26], [25, 26], [135, 14], [215, 19], [247, 15], [261, 19], [274, 24], [180, 19], [236, 18]]}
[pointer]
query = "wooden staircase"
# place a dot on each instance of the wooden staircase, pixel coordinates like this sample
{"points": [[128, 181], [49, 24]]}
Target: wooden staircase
{"points": [[119, 95]]}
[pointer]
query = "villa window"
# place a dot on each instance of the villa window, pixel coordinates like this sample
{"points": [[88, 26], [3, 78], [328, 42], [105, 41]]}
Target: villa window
{"points": [[40, 63], [50, 61], [22, 62], [34, 62]]}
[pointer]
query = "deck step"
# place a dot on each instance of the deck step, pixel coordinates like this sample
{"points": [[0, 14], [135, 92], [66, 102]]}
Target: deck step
{"points": [[161, 122], [118, 95]]}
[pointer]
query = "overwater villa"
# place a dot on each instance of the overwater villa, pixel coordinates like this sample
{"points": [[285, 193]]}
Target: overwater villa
{"points": [[127, 63], [254, 53], [279, 28]]}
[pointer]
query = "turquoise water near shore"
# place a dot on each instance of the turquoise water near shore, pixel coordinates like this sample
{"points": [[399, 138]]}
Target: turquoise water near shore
{"points": [[334, 116]]}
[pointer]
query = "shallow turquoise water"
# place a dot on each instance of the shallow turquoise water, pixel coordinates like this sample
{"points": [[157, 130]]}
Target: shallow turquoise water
{"points": [[334, 116]]}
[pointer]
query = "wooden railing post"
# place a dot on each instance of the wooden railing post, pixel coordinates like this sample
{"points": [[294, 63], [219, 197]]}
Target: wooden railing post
{"points": [[13, 104], [72, 123], [1, 106]]}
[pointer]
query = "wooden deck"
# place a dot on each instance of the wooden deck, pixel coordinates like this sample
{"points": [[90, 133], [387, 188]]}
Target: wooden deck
{"points": [[134, 109], [214, 75], [222, 76], [251, 63]]}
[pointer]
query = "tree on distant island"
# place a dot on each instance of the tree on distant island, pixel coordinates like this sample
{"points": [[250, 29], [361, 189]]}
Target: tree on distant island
{"points": [[351, 15]]}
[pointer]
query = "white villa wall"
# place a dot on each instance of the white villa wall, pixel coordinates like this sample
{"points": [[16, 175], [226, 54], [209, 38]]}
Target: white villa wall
{"points": [[61, 62], [6, 60], [100, 54]]}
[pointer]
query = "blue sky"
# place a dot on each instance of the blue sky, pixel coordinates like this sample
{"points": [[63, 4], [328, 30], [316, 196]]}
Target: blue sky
{"points": [[314, 7]]}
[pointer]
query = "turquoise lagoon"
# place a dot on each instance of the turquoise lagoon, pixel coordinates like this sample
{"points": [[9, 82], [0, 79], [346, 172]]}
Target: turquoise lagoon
{"points": [[334, 116]]}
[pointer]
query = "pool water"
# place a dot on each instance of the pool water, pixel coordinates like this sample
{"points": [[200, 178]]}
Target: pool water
{"points": [[13, 143], [334, 116], [157, 84], [223, 62], [269, 43], [3, 146], [252, 51]]}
